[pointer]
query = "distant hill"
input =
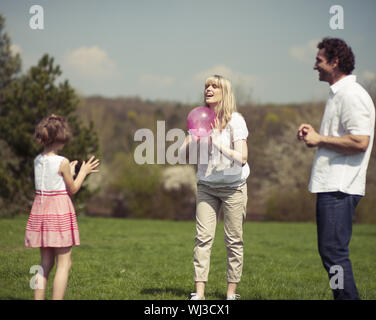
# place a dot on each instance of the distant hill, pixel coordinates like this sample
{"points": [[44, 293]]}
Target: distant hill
{"points": [[280, 165]]}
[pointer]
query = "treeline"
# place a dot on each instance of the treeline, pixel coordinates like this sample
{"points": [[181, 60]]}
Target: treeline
{"points": [[280, 165]]}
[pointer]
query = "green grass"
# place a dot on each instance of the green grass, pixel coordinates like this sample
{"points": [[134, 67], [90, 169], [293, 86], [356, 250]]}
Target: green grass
{"points": [[153, 259]]}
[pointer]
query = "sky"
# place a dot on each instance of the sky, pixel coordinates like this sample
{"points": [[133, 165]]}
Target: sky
{"points": [[165, 49]]}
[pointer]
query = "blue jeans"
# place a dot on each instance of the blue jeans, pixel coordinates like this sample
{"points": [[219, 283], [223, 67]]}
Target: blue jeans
{"points": [[334, 214]]}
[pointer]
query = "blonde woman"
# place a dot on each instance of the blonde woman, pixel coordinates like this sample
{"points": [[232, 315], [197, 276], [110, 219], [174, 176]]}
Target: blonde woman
{"points": [[221, 184]]}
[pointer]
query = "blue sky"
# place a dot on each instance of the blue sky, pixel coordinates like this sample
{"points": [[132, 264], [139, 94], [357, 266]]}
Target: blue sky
{"points": [[164, 49]]}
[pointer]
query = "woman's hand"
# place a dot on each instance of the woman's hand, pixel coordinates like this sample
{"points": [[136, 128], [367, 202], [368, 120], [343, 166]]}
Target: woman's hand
{"points": [[240, 151], [214, 137]]}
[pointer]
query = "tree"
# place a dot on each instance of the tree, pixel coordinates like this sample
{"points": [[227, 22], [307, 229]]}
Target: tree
{"points": [[10, 65], [25, 100]]}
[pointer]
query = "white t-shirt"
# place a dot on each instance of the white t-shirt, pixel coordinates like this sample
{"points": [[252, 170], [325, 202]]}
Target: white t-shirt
{"points": [[214, 168], [349, 110], [46, 170]]}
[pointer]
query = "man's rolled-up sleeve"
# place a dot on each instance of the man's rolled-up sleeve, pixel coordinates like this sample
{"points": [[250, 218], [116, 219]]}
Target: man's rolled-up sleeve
{"points": [[355, 116]]}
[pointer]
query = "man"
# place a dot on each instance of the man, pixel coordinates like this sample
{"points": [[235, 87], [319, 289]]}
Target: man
{"points": [[339, 169]]}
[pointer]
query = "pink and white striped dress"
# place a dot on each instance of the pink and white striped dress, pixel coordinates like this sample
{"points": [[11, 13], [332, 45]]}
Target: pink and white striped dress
{"points": [[52, 221]]}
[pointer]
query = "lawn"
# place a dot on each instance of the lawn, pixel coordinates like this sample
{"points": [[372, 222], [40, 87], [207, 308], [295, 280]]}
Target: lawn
{"points": [[152, 259]]}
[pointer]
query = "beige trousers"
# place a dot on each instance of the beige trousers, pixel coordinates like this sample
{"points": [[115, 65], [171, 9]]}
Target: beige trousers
{"points": [[208, 203]]}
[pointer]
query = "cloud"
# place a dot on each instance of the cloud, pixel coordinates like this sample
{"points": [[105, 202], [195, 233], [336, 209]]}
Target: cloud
{"points": [[243, 84], [368, 75], [305, 53], [90, 62], [235, 77], [156, 80]]}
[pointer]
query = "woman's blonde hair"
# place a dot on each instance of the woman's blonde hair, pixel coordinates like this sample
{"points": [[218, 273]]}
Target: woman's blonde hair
{"points": [[227, 106]]}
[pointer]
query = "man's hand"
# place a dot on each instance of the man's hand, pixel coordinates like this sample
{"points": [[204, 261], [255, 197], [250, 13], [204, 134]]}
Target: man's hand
{"points": [[309, 135], [347, 144], [301, 133]]}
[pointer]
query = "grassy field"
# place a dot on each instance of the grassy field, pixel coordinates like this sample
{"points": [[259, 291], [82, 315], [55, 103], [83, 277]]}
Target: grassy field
{"points": [[145, 259]]}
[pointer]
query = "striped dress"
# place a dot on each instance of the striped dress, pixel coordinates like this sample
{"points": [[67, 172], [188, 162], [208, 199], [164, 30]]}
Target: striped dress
{"points": [[52, 221]]}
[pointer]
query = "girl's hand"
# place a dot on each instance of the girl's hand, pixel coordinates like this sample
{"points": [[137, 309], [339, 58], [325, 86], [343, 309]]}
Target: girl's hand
{"points": [[72, 166], [88, 167], [74, 184]]}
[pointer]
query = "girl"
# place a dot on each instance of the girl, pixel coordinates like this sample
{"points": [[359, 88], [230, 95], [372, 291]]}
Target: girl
{"points": [[52, 225], [221, 183]]}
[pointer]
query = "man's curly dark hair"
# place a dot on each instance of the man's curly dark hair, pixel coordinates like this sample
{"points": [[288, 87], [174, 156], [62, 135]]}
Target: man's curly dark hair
{"points": [[335, 47]]}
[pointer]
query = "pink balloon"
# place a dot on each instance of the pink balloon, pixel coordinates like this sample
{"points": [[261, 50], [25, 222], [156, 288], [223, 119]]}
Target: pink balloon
{"points": [[199, 121]]}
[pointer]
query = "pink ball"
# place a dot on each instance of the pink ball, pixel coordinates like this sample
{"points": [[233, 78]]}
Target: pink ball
{"points": [[199, 121]]}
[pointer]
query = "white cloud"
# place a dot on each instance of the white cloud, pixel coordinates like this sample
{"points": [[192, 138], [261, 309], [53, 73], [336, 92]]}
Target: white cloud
{"points": [[368, 75], [245, 80], [305, 53], [243, 84], [15, 48], [90, 62], [156, 80]]}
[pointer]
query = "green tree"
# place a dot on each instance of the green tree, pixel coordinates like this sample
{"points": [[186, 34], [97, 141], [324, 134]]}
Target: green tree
{"points": [[10, 64], [140, 185], [9, 67], [25, 100]]}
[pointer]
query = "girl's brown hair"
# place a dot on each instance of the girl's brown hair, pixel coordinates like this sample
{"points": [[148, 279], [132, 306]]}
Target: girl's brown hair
{"points": [[52, 129]]}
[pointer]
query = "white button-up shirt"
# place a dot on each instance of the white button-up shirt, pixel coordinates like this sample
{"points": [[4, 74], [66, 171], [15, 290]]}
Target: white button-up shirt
{"points": [[349, 110]]}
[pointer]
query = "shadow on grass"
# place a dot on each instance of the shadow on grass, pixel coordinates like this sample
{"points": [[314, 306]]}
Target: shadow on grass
{"points": [[181, 292], [157, 291]]}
